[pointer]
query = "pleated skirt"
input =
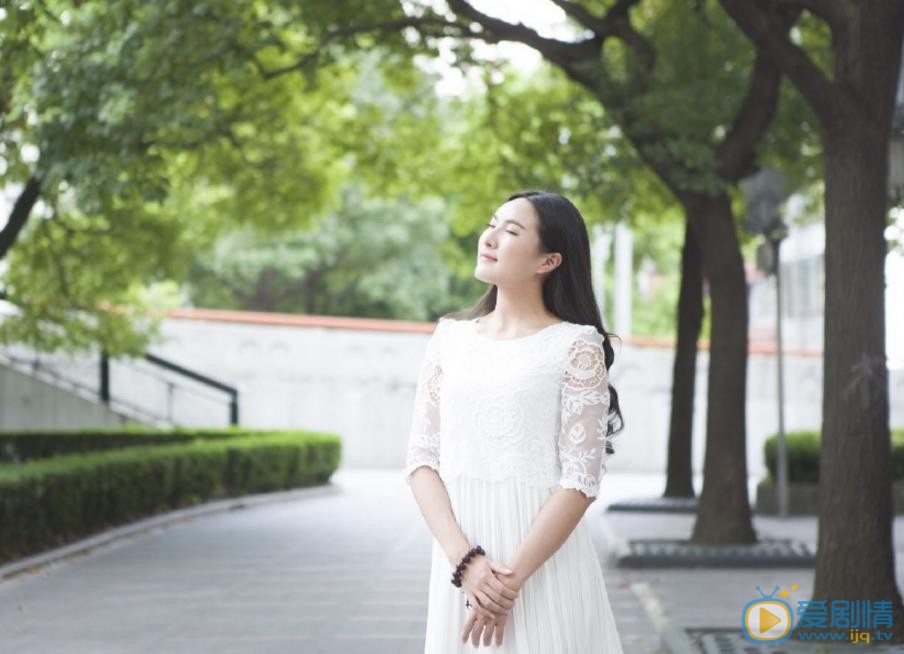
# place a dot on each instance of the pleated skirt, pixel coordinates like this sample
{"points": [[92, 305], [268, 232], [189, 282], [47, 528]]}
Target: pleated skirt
{"points": [[563, 608]]}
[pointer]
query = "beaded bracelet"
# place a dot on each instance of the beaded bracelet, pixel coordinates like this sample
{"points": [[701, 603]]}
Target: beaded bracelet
{"points": [[456, 576]]}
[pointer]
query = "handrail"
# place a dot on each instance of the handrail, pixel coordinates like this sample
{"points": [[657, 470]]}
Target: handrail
{"points": [[171, 366]]}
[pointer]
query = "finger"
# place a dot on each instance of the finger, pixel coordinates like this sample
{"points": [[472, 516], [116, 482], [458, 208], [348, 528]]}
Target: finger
{"points": [[495, 606], [488, 634], [468, 635], [500, 568], [500, 598], [489, 605], [483, 610], [500, 586], [469, 624], [476, 632]]}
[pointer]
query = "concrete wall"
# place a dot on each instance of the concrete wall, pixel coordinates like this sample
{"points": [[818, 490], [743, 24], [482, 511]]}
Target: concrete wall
{"points": [[29, 403], [360, 384]]}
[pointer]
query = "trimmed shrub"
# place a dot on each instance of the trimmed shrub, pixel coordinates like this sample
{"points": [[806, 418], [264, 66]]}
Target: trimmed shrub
{"points": [[49, 502], [21, 446], [803, 455]]}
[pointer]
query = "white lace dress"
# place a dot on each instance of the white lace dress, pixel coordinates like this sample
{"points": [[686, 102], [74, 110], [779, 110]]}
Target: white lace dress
{"points": [[506, 422]]}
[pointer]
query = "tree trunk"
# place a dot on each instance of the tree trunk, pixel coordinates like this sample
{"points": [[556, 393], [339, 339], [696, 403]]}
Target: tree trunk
{"points": [[855, 555], [855, 474], [19, 215], [723, 513], [855, 559], [679, 477]]}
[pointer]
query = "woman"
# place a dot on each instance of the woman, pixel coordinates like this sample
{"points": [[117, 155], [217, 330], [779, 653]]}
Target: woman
{"points": [[512, 424]]}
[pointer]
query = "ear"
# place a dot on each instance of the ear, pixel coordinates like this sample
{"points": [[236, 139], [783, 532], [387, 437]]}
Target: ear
{"points": [[553, 261]]}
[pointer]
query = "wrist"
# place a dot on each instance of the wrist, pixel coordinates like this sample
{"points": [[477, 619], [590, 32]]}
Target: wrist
{"points": [[463, 564], [520, 574], [518, 577], [457, 553]]}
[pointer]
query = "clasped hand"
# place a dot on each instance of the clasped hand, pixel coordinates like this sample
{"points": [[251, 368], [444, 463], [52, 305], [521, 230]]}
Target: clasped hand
{"points": [[492, 589]]}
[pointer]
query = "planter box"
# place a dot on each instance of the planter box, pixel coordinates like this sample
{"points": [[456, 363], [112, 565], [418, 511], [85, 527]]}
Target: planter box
{"points": [[803, 498]]}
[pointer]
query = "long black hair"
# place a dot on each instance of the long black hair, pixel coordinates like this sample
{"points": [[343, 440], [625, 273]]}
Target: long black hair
{"points": [[568, 289]]}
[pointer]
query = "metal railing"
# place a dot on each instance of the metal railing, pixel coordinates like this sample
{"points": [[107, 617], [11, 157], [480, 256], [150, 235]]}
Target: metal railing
{"points": [[145, 389]]}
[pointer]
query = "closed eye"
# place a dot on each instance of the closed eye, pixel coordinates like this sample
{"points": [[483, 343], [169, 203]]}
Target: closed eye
{"points": [[508, 231]]}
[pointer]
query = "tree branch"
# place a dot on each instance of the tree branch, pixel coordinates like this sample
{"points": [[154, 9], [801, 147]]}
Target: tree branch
{"points": [[426, 25], [616, 23], [578, 59], [581, 14], [20, 214], [558, 52], [765, 28], [621, 8], [829, 11], [603, 26], [736, 154]]}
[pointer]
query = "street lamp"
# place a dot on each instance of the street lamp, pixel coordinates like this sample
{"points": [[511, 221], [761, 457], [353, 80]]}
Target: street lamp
{"points": [[764, 193]]}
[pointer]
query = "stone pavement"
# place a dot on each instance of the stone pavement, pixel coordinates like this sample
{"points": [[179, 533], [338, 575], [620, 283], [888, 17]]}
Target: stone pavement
{"points": [[695, 599], [337, 573], [340, 573]]}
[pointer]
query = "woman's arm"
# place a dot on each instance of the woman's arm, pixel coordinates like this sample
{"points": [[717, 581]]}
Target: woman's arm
{"points": [[422, 459], [556, 519], [422, 475], [479, 579], [582, 454], [550, 529], [433, 501]]}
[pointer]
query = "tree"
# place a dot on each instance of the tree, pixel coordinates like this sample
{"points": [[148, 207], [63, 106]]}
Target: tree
{"points": [[697, 133], [853, 100], [370, 257], [136, 133]]}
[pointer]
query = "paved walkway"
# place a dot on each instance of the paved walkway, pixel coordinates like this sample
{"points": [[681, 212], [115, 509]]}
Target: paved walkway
{"points": [[698, 599], [340, 573]]}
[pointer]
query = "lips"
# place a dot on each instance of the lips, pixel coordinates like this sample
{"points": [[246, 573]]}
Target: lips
{"points": [[487, 257]]}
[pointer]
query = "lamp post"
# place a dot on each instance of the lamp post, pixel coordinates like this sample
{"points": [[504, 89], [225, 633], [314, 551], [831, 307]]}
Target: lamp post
{"points": [[764, 193]]}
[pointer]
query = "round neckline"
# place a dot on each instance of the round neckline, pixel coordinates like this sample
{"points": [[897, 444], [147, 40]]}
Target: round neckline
{"points": [[516, 338]]}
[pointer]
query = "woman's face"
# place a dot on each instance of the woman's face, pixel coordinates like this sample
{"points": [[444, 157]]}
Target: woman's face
{"points": [[512, 240]]}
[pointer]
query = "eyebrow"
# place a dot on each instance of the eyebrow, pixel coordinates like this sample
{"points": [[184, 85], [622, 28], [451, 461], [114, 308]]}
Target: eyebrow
{"points": [[509, 220]]}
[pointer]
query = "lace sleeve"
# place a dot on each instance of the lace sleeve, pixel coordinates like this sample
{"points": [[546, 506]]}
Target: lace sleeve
{"points": [[423, 440], [585, 407]]}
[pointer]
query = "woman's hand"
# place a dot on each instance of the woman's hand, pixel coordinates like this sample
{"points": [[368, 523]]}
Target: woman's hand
{"points": [[480, 623], [477, 625], [489, 596]]}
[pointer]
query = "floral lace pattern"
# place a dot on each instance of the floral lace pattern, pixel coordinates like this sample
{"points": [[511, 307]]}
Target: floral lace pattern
{"points": [[585, 410], [424, 438], [534, 407]]}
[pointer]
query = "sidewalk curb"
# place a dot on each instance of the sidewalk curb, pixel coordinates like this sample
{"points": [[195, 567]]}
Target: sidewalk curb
{"points": [[86, 545], [673, 639]]}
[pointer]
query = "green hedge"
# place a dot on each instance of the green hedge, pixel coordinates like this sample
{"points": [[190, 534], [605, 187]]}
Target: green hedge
{"points": [[48, 503], [803, 455], [20, 446]]}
